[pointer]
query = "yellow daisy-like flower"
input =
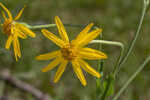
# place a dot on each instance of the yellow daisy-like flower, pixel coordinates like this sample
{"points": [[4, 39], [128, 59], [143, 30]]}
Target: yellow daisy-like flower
{"points": [[14, 30], [73, 52]]}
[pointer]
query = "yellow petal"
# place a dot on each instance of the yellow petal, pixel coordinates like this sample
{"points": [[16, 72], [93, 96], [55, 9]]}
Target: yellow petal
{"points": [[19, 14], [78, 71], [52, 65], [7, 11], [60, 70], [15, 48], [53, 38], [88, 68], [20, 33], [48, 56], [89, 37], [4, 16], [9, 41], [91, 54], [12, 29], [15, 45], [61, 29], [84, 32], [25, 30], [18, 47]]}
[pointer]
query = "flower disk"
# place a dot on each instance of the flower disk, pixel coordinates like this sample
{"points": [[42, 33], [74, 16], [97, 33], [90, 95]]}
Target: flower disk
{"points": [[73, 52], [69, 52]]}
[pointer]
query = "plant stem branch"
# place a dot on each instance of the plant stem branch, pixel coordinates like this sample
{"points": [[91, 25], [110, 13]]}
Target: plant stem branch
{"points": [[113, 43], [7, 77], [131, 45], [100, 70], [49, 25], [108, 43], [131, 78]]}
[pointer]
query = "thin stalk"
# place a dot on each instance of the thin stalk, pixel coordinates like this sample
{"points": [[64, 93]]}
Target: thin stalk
{"points": [[131, 78], [100, 70], [41, 26], [48, 25], [116, 68], [113, 43], [131, 45]]}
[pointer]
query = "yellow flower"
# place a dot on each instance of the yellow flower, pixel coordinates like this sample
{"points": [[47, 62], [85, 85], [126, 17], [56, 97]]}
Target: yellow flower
{"points": [[73, 52], [14, 30]]}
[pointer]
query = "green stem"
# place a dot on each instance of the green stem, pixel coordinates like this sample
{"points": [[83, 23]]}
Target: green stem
{"points": [[131, 78], [41, 26], [48, 25], [113, 43], [115, 68], [100, 70], [123, 60]]}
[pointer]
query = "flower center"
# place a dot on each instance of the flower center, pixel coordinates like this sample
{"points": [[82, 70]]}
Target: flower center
{"points": [[7, 26], [69, 52]]}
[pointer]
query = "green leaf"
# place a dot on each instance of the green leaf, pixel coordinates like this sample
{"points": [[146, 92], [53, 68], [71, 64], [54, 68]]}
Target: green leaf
{"points": [[109, 81]]}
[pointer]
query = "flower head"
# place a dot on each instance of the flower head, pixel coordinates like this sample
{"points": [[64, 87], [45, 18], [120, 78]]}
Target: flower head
{"points": [[73, 52], [14, 30]]}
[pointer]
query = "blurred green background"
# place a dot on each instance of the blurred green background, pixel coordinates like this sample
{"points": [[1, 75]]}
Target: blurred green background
{"points": [[119, 20]]}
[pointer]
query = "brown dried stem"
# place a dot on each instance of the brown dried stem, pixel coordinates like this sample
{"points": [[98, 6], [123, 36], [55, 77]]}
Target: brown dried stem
{"points": [[7, 77]]}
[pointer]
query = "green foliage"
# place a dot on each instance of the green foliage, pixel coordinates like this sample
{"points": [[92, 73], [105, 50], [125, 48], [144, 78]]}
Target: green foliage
{"points": [[118, 18], [109, 81]]}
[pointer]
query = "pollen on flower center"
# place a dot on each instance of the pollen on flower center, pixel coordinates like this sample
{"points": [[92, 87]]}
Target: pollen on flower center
{"points": [[69, 52], [7, 26]]}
